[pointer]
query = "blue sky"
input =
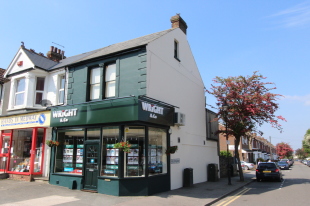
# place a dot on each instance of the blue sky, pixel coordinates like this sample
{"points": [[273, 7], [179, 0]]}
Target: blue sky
{"points": [[227, 38]]}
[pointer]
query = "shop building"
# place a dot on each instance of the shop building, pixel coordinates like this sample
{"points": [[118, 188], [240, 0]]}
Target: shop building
{"points": [[29, 89], [146, 91]]}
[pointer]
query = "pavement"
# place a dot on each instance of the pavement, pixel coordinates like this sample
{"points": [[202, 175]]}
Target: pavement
{"points": [[17, 193]]}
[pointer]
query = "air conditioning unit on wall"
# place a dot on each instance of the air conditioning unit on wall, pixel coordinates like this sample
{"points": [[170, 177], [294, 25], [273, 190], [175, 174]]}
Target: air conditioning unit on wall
{"points": [[179, 119]]}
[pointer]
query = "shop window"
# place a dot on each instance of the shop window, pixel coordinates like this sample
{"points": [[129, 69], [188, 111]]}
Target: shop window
{"points": [[61, 89], [157, 159], [94, 83], [135, 159], [69, 153], [110, 156], [39, 90], [20, 150], [20, 92], [110, 77]]}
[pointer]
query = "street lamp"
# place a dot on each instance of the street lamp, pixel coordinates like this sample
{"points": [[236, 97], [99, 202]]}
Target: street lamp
{"points": [[225, 109]]}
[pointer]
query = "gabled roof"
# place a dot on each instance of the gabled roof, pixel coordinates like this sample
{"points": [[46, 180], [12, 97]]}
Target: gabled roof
{"points": [[140, 41], [38, 60]]}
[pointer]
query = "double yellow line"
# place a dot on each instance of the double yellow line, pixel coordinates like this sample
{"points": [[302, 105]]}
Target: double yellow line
{"points": [[234, 197]]}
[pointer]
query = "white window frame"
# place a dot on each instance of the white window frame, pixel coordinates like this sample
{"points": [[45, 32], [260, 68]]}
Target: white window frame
{"points": [[61, 88], [110, 80], [19, 92], [94, 84], [39, 91]]}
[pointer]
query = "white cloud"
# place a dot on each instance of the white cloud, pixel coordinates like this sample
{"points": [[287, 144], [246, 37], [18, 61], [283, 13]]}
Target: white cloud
{"points": [[304, 99], [296, 16]]}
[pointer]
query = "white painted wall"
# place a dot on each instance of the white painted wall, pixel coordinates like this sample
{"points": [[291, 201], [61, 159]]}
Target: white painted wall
{"points": [[180, 84]]}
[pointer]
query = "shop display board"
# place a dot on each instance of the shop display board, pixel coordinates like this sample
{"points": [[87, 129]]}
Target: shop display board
{"points": [[112, 156], [155, 158], [133, 160], [71, 164]]}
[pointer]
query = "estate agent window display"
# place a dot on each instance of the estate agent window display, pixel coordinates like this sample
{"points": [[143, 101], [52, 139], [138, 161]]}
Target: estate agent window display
{"points": [[69, 153]]}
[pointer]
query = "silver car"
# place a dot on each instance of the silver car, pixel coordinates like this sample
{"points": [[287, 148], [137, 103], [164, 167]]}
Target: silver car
{"points": [[247, 165]]}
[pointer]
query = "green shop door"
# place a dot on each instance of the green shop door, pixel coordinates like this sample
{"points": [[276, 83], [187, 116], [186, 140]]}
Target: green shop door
{"points": [[91, 167]]}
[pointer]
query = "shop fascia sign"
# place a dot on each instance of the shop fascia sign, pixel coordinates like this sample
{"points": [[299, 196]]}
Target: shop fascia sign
{"points": [[153, 109], [63, 114], [24, 120]]}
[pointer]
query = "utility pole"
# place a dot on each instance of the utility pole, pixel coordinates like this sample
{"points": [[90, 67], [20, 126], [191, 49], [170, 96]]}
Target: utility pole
{"points": [[270, 148]]}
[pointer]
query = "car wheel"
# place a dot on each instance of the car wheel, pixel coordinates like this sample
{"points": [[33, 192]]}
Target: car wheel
{"points": [[246, 167], [258, 179]]}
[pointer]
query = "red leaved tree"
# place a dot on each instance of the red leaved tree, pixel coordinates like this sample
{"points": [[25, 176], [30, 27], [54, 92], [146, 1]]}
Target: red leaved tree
{"points": [[284, 150], [250, 104]]}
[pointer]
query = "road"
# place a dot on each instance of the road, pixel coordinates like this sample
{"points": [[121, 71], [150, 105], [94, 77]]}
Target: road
{"points": [[293, 190]]}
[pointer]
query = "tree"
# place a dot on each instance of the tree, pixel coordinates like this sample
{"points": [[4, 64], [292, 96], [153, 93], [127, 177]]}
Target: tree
{"points": [[306, 142], [301, 154], [284, 150], [250, 105]]}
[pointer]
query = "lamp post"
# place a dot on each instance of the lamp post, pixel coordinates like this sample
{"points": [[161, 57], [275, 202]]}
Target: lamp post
{"points": [[225, 109]]}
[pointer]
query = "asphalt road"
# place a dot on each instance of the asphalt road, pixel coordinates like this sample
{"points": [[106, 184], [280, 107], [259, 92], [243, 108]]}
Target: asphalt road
{"points": [[293, 190]]}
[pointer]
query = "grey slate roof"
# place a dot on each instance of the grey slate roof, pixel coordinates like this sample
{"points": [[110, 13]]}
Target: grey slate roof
{"points": [[113, 48], [39, 61], [70, 60]]}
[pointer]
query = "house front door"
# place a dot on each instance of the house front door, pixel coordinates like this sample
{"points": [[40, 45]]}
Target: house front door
{"points": [[91, 166]]}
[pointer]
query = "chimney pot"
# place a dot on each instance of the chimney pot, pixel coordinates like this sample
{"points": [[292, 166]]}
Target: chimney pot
{"points": [[52, 48]]}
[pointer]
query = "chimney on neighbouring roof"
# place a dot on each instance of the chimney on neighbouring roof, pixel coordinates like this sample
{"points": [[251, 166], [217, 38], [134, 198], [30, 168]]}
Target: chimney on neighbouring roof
{"points": [[178, 22], [55, 54]]}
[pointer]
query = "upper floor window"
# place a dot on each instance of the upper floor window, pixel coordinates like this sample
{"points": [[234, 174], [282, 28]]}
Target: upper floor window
{"points": [[95, 83], [39, 90], [61, 89], [20, 92], [176, 50], [110, 77]]}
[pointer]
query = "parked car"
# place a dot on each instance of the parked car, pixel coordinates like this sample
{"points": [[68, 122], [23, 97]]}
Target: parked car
{"points": [[247, 166], [288, 161], [283, 165], [268, 170], [304, 162], [308, 163]]}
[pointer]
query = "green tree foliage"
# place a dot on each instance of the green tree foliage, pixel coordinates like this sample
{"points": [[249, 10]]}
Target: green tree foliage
{"points": [[250, 105], [224, 154], [306, 142]]}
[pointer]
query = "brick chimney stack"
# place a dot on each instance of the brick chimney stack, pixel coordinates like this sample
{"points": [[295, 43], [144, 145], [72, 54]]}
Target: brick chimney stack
{"points": [[55, 54], [178, 22]]}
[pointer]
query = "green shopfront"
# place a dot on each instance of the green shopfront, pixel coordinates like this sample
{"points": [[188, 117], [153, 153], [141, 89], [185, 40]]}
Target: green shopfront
{"points": [[87, 159]]}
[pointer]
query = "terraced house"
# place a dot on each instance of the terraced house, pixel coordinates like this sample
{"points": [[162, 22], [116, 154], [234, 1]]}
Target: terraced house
{"points": [[123, 110]]}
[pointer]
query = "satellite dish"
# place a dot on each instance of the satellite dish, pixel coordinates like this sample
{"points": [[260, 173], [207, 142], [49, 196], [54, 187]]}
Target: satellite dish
{"points": [[46, 103]]}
